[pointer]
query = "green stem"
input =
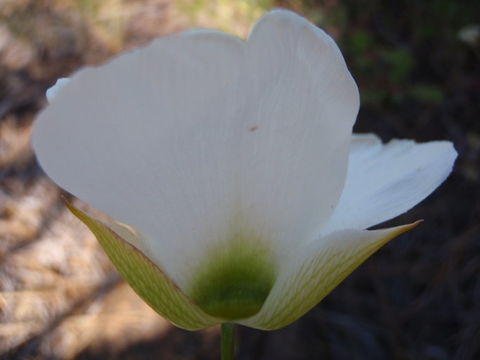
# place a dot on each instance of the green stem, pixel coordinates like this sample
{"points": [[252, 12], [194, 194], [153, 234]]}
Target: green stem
{"points": [[228, 341]]}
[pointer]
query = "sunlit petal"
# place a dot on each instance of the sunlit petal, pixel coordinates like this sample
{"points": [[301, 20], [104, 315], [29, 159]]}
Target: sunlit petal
{"points": [[201, 133], [302, 106], [150, 139]]}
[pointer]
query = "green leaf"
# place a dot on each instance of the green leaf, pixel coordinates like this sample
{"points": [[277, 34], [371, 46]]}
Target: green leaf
{"points": [[427, 93], [359, 42], [400, 62], [146, 278]]}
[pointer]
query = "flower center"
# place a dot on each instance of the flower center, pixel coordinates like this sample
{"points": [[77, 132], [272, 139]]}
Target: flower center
{"points": [[235, 278]]}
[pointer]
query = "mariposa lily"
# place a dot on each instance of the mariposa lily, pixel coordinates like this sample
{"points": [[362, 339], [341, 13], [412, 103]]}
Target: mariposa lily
{"points": [[233, 163]]}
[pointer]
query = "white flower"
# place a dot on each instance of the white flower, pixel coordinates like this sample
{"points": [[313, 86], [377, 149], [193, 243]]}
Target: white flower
{"points": [[235, 165]]}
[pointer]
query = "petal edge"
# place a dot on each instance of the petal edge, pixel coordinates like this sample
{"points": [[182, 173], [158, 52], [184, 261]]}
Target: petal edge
{"points": [[385, 180]]}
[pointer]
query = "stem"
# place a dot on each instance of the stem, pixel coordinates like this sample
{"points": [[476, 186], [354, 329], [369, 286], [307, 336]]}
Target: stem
{"points": [[227, 341]]}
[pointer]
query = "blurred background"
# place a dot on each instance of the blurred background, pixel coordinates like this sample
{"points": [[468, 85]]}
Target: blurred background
{"points": [[417, 66]]}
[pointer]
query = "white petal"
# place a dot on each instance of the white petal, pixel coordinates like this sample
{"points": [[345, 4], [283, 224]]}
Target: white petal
{"points": [[201, 132], [303, 103], [52, 92], [151, 140], [315, 270], [386, 180]]}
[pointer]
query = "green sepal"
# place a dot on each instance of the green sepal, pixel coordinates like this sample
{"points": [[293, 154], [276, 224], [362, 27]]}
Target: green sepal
{"points": [[317, 273], [146, 278]]}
